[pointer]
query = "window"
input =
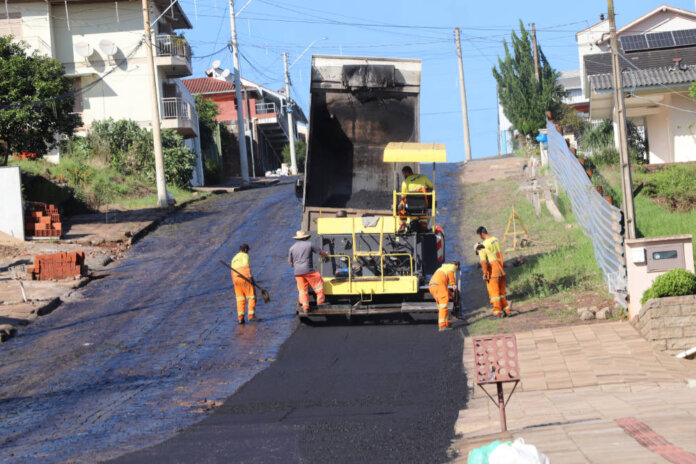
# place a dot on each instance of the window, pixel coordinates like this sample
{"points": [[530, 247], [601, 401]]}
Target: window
{"points": [[667, 254], [77, 87]]}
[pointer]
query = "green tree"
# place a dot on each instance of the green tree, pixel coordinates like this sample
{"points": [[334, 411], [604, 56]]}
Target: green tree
{"points": [[207, 112], [300, 153], [36, 100], [524, 101]]}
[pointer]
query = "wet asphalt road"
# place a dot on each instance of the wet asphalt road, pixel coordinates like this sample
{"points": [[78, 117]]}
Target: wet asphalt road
{"points": [[133, 362], [342, 393]]}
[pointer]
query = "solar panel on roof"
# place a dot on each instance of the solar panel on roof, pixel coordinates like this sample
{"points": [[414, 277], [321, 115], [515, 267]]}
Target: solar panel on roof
{"points": [[660, 39], [687, 37], [633, 42]]}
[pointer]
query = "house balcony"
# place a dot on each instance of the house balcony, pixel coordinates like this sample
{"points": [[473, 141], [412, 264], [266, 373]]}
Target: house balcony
{"points": [[179, 115], [173, 55], [273, 124]]}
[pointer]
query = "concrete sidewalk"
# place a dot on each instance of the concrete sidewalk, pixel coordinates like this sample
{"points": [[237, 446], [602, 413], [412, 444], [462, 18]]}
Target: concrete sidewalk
{"points": [[576, 383]]}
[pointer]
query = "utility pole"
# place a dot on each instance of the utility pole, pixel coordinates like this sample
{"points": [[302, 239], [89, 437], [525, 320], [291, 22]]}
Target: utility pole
{"points": [[462, 92], [620, 126], [536, 54], [291, 130], [162, 200], [243, 163]]}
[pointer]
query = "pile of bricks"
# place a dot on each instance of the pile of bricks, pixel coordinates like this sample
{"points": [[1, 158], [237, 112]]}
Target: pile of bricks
{"points": [[58, 266], [42, 220]]}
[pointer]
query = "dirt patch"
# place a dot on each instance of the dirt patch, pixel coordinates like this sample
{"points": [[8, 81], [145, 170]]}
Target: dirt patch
{"points": [[558, 274]]}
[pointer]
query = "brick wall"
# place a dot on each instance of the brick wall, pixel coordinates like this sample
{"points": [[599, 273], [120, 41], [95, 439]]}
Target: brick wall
{"points": [[668, 323]]}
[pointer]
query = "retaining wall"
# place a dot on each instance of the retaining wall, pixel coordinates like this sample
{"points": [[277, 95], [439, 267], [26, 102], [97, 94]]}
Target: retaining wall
{"points": [[668, 323]]}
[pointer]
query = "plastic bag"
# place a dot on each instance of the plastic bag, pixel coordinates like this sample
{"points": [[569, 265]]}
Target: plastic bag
{"points": [[517, 452], [481, 455]]}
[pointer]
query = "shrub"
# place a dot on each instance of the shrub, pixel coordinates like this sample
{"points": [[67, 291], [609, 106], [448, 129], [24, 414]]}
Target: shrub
{"points": [[128, 149], [300, 153], [676, 282]]}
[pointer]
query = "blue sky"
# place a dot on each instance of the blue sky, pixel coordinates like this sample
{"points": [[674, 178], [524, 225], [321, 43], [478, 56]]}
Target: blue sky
{"points": [[409, 29]]}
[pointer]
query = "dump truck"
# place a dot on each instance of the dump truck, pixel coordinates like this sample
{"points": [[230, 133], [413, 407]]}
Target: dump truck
{"points": [[364, 127]]}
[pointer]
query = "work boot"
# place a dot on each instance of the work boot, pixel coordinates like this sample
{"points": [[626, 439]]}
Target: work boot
{"points": [[445, 329], [240, 321], [254, 319]]}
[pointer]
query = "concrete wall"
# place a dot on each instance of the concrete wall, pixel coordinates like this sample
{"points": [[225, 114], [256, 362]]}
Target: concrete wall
{"points": [[681, 128], [639, 277], [35, 25], [669, 323], [660, 22], [123, 93], [659, 137], [587, 45], [671, 133], [11, 210]]}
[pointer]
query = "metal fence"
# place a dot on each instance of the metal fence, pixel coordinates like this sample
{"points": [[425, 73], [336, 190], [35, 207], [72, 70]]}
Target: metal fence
{"points": [[599, 220]]}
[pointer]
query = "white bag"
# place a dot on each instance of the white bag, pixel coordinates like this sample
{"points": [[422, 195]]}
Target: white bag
{"points": [[517, 452]]}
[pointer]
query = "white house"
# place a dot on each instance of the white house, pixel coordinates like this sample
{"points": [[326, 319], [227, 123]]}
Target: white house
{"points": [[101, 45], [658, 63]]}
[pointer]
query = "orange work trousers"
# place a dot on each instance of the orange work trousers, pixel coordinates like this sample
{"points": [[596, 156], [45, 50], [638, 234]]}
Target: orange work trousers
{"points": [[441, 295], [303, 282], [246, 294], [496, 292]]}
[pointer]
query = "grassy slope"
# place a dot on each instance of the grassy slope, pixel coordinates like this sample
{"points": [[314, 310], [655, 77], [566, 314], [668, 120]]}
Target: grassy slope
{"points": [[652, 219], [120, 191], [560, 261]]}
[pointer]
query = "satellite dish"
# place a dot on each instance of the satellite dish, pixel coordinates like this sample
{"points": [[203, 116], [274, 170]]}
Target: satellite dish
{"points": [[108, 47], [216, 64], [225, 73], [83, 49]]}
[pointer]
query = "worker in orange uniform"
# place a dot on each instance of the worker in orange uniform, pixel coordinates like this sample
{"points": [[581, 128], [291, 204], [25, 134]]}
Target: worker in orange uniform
{"points": [[301, 258], [413, 183], [246, 294], [443, 282], [493, 273]]}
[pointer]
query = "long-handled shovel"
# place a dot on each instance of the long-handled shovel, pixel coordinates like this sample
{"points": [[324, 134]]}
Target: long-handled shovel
{"points": [[264, 293]]}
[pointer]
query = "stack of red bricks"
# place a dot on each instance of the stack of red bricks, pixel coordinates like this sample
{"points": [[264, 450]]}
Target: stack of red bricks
{"points": [[59, 265], [42, 221]]}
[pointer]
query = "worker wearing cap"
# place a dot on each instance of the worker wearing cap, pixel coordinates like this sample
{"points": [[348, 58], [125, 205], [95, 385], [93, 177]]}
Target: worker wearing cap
{"points": [[243, 288], [491, 259], [413, 183], [301, 258], [443, 282]]}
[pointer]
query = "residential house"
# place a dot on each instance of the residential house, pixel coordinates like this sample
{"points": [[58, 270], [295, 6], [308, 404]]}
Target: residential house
{"points": [[101, 45], [265, 116], [658, 65]]}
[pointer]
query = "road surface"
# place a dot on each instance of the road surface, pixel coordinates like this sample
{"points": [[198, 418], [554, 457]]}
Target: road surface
{"points": [[128, 371]]}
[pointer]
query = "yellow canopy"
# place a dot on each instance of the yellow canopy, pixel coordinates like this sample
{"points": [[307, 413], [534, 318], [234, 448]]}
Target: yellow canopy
{"points": [[402, 152]]}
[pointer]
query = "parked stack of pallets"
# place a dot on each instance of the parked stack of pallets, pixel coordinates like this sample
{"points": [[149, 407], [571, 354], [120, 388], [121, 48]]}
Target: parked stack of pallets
{"points": [[42, 220]]}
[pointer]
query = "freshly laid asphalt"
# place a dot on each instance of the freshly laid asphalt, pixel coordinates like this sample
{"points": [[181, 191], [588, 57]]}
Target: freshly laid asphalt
{"points": [[370, 393], [141, 354]]}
